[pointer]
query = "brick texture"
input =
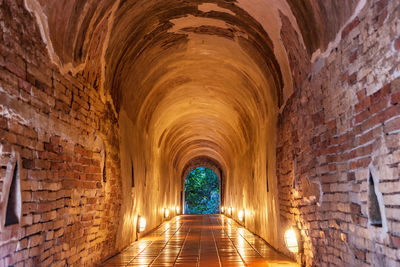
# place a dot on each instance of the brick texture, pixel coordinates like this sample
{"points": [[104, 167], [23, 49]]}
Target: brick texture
{"points": [[348, 123], [53, 120]]}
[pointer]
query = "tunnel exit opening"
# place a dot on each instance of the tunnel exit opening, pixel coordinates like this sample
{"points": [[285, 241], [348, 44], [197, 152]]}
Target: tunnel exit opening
{"points": [[202, 192]]}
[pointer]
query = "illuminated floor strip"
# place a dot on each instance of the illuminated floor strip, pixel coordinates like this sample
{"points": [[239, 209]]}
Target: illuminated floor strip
{"points": [[200, 240]]}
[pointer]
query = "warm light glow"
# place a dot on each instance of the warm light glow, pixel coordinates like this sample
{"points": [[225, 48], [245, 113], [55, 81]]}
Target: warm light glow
{"points": [[229, 211], [241, 215], [166, 213], [291, 240], [229, 224], [222, 209], [241, 242], [177, 209], [141, 224]]}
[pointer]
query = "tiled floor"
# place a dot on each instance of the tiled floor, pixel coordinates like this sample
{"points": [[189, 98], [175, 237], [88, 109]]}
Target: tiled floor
{"points": [[200, 240]]}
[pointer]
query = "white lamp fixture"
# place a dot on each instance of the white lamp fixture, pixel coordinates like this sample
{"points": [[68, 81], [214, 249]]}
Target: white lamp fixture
{"points": [[241, 215], [229, 211], [166, 213], [291, 240], [222, 209], [177, 209], [141, 224]]}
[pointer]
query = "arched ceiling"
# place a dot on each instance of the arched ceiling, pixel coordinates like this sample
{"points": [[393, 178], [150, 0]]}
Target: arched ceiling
{"points": [[197, 78]]}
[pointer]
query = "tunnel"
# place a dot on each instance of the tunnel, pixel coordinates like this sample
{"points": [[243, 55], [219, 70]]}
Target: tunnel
{"points": [[106, 106]]}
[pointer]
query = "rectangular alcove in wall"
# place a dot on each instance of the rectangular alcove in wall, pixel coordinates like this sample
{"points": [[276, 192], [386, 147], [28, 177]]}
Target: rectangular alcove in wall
{"points": [[11, 202]]}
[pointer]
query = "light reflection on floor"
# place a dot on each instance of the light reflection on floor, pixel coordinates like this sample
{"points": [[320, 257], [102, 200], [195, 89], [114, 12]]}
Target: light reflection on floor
{"points": [[200, 240]]}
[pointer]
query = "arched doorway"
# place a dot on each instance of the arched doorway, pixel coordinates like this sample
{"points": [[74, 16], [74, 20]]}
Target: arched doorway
{"points": [[202, 192]]}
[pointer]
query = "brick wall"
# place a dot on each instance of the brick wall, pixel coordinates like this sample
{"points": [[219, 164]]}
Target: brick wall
{"points": [[64, 135], [343, 123]]}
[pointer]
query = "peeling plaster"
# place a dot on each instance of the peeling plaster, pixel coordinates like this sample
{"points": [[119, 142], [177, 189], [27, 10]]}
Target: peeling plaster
{"points": [[192, 21], [34, 7], [333, 44], [207, 7], [106, 97], [272, 25]]}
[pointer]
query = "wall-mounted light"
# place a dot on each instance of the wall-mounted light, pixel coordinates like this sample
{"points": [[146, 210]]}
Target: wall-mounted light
{"points": [[222, 209], [241, 215], [229, 211], [166, 213], [141, 224], [177, 209], [291, 240]]}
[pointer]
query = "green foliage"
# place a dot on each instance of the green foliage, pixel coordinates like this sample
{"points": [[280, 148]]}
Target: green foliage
{"points": [[202, 192]]}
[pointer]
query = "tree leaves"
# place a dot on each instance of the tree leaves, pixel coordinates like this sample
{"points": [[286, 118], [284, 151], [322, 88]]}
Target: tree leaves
{"points": [[202, 192]]}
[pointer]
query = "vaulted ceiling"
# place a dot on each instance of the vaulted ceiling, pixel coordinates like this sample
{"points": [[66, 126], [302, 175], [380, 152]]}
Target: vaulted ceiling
{"points": [[197, 78]]}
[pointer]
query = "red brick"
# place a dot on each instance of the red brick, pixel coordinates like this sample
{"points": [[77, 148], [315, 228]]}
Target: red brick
{"points": [[28, 207], [34, 252], [395, 241], [397, 43], [371, 122], [24, 96], [93, 177], [344, 77], [42, 164], [50, 147], [362, 116], [33, 229], [17, 70], [37, 74], [22, 84], [381, 18], [389, 113], [55, 140], [3, 123], [22, 244], [350, 26], [380, 5], [353, 56], [45, 206], [332, 124], [380, 105], [361, 163], [352, 79], [351, 176], [393, 125], [360, 254], [28, 163], [35, 240], [395, 98], [363, 104], [361, 94], [381, 94]]}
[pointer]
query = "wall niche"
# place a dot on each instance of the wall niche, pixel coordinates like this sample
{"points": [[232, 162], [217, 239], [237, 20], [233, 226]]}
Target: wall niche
{"points": [[11, 202]]}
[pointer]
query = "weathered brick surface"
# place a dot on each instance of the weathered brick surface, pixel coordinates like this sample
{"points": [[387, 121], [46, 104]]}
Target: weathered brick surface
{"points": [[344, 119], [52, 120]]}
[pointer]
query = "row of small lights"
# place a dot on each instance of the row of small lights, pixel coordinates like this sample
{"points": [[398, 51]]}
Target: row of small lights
{"points": [[141, 221], [290, 234]]}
